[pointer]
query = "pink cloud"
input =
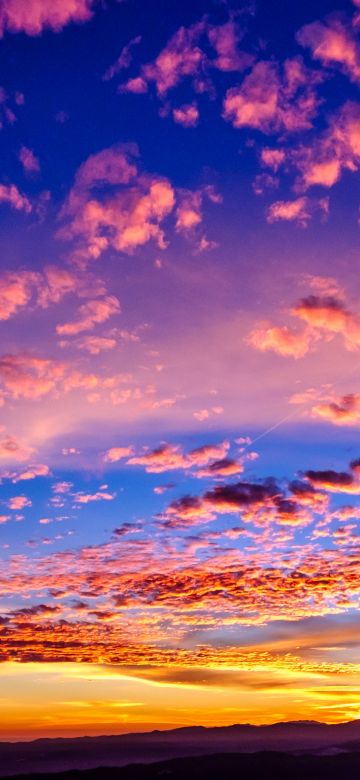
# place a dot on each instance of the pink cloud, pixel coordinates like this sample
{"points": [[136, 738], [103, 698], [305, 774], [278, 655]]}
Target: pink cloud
{"points": [[169, 457], [11, 449], [124, 220], [336, 150], [90, 314], [299, 210], [25, 376], [333, 44], [88, 498], [19, 502], [185, 56], [137, 85], [57, 282], [28, 160], [324, 317], [115, 454], [16, 291], [180, 58], [271, 101], [282, 340], [124, 60], [11, 195], [186, 115], [33, 16], [273, 158], [225, 39], [19, 289], [189, 213], [94, 345], [37, 470]]}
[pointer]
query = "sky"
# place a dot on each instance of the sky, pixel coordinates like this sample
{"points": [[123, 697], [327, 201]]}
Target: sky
{"points": [[179, 365]]}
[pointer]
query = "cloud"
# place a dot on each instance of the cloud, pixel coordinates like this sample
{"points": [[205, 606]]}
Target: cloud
{"points": [[186, 115], [94, 345], [225, 39], [11, 449], [299, 210], [271, 101], [137, 86], [20, 289], [37, 470], [169, 457], [128, 218], [188, 510], [90, 314], [88, 498], [324, 317], [28, 160], [330, 316], [26, 376], [332, 43], [337, 149], [18, 502], [284, 341], [180, 58], [272, 158], [189, 213], [115, 454], [225, 467], [11, 195], [164, 458], [344, 410], [16, 291], [333, 481], [35, 16], [186, 56], [124, 60]]}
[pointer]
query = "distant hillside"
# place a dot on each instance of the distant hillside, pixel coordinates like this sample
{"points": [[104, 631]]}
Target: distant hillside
{"points": [[257, 766], [56, 755]]}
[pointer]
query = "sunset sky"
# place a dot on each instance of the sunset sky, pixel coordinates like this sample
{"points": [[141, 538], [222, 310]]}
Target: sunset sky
{"points": [[180, 364]]}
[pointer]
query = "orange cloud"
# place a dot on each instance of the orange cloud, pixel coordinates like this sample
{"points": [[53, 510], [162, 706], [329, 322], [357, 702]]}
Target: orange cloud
{"points": [[324, 317], [333, 481], [344, 410], [330, 316], [282, 340]]}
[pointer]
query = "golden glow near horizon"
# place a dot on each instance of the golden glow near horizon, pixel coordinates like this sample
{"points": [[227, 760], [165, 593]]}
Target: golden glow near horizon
{"points": [[79, 699]]}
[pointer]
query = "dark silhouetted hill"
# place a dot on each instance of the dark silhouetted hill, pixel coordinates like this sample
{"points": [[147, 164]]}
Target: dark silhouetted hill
{"points": [[85, 753], [238, 766]]}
